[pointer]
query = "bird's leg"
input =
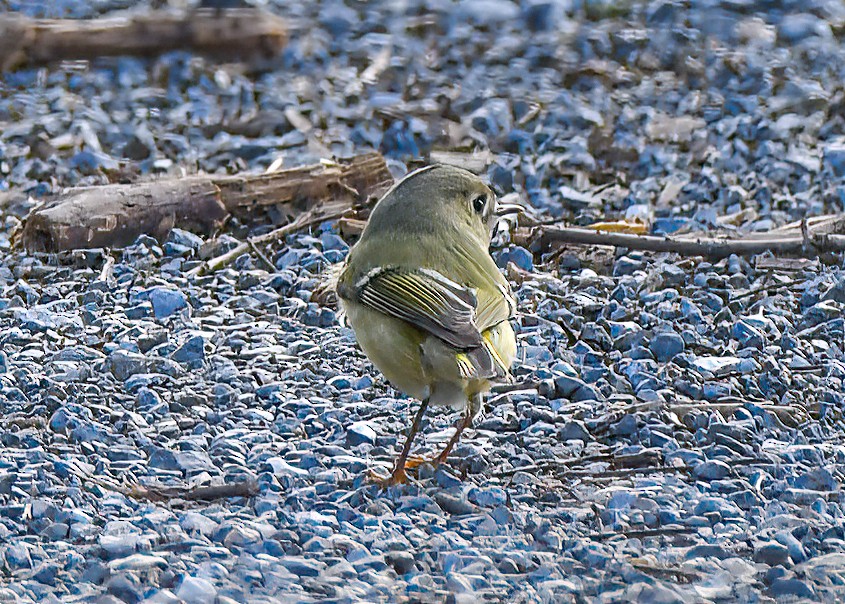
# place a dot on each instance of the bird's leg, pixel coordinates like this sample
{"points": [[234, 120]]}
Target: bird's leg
{"points": [[464, 423], [398, 475], [472, 409]]}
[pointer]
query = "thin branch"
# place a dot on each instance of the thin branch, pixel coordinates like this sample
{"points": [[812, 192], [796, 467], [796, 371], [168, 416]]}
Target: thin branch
{"points": [[244, 488], [303, 221], [704, 246], [261, 256], [640, 533]]}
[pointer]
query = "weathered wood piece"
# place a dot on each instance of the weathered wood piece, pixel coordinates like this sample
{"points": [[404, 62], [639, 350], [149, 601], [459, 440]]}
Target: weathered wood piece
{"points": [[241, 32], [115, 215]]}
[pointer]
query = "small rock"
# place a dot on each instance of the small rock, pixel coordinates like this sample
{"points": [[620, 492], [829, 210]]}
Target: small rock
{"points": [[772, 553], [574, 430], [166, 301], [782, 588], [454, 505], [401, 561], [712, 470], [521, 257], [194, 590], [666, 345], [302, 567], [360, 433], [191, 352]]}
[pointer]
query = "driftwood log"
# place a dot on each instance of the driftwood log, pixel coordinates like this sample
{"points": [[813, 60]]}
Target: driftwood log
{"points": [[115, 215], [240, 32]]}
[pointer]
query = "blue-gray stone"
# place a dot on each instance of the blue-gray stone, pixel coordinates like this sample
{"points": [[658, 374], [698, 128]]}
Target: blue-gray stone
{"points": [[708, 551], [196, 590], [330, 241], [186, 461], [725, 508], [772, 553], [521, 257], [747, 335], [712, 470], [17, 556], [191, 352], [784, 588], [488, 497], [666, 345], [819, 479], [795, 27], [360, 433], [302, 567], [46, 573], [454, 505], [796, 549], [166, 301], [445, 479], [403, 562], [575, 389], [125, 364], [184, 238], [290, 258], [574, 430], [834, 158]]}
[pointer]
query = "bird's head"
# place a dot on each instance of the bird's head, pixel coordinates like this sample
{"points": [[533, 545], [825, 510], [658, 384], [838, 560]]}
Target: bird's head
{"points": [[440, 195]]}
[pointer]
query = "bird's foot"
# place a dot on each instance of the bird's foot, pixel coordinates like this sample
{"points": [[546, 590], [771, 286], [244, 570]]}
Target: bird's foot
{"points": [[414, 462], [398, 476]]}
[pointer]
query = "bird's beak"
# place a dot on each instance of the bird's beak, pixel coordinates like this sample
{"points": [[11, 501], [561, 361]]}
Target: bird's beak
{"points": [[509, 209]]}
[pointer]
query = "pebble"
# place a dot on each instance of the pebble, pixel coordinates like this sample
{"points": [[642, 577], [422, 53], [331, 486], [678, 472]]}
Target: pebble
{"points": [[773, 554], [666, 346], [360, 433], [194, 590]]}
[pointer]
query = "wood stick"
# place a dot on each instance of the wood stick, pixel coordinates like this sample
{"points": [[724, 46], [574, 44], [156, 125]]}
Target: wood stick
{"points": [[241, 32], [640, 533], [542, 237], [244, 488], [115, 215]]}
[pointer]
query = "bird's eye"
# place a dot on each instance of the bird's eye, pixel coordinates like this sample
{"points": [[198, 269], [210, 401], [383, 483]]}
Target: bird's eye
{"points": [[479, 202]]}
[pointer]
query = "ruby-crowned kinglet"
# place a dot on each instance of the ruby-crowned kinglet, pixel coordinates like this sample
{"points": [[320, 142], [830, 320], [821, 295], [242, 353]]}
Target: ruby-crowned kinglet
{"points": [[427, 303]]}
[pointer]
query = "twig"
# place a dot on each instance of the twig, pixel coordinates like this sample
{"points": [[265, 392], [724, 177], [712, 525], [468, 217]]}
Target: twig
{"points": [[681, 575], [261, 255], [244, 488], [708, 247], [108, 266], [783, 412], [640, 533], [769, 289], [625, 472], [627, 466], [303, 221]]}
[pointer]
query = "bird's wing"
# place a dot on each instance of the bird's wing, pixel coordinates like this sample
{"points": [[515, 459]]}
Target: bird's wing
{"points": [[425, 299], [495, 304]]}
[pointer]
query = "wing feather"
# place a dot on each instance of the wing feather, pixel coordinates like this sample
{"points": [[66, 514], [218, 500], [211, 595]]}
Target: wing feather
{"points": [[427, 300]]}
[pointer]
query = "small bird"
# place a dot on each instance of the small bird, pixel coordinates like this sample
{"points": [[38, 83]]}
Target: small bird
{"points": [[425, 299]]}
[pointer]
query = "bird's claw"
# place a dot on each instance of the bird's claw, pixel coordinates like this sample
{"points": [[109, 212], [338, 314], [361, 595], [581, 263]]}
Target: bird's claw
{"points": [[414, 462], [397, 477]]}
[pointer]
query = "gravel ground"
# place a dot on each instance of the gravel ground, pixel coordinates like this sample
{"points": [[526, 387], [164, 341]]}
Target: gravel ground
{"points": [[676, 431]]}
